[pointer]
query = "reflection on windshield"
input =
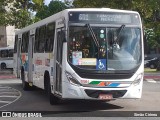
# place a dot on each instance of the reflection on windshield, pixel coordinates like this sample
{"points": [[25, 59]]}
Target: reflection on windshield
{"points": [[116, 51]]}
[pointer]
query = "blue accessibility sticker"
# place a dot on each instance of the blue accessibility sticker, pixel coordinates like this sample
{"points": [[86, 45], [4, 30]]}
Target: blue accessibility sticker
{"points": [[101, 64]]}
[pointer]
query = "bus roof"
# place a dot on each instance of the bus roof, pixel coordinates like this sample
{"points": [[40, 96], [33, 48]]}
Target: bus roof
{"points": [[101, 10], [64, 13]]}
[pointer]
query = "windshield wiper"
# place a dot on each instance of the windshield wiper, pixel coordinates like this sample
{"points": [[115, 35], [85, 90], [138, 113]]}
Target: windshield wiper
{"points": [[120, 31], [93, 35]]}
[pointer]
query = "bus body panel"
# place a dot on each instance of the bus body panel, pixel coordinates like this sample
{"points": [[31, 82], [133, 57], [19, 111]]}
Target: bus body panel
{"points": [[42, 63], [78, 92]]}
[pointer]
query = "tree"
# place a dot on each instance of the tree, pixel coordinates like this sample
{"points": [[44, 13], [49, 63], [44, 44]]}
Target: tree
{"points": [[53, 7], [19, 13], [2, 12], [42, 13]]}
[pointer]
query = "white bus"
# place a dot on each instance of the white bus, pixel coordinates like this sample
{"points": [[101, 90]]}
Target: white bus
{"points": [[6, 57], [83, 54]]}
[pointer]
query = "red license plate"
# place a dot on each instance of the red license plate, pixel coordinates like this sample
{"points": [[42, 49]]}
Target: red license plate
{"points": [[105, 96]]}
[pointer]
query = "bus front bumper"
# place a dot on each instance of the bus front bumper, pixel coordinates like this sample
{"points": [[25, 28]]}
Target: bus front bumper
{"points": [[79, 92]]}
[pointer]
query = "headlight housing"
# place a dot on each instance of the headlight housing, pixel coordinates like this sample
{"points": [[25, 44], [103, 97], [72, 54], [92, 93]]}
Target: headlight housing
{"points": [[71, 79], [138, 79]]}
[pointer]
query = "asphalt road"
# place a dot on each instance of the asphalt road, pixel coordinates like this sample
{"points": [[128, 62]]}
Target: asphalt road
{"points": [[36, 100], [8, 95]]}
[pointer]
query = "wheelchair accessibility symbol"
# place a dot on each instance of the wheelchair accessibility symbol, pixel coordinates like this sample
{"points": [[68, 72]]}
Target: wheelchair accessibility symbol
{"points": [[101, 64]]}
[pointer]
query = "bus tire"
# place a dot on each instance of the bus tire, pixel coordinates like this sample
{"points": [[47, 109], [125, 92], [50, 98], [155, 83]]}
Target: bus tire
{"points": [[25, 85], [47, 87], [3, 66], [46, 83], [52, 98]]}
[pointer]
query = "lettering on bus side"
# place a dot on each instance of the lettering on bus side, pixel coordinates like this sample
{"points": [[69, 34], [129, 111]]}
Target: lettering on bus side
{"points": [[38, 62]]}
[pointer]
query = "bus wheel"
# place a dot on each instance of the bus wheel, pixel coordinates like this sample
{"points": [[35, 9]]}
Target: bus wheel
{"points": [[53, 99], [47, 83], [3, 66], [25, 85]]}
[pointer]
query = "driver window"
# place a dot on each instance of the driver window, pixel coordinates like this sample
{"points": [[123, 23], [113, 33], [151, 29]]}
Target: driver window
{"points": [[81, 41]]}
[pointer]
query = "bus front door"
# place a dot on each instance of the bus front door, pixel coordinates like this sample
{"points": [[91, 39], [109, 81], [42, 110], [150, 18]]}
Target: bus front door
{"points": [[59, 56], [18, 58]]}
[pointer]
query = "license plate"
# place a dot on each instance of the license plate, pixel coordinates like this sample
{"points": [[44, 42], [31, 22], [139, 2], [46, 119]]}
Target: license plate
{"points": [[105, 96]]}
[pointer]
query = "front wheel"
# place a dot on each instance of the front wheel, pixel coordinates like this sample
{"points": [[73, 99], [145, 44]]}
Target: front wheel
{"points": [[47, 87], [52, 98]]}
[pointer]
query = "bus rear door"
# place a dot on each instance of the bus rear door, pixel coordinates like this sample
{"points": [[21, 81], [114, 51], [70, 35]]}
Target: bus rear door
{"points": [[30, 57], [18, 55]]}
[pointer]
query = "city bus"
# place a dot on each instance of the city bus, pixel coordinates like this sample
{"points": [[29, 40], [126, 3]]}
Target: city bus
{"points": [[6, 57], [83, 53]]}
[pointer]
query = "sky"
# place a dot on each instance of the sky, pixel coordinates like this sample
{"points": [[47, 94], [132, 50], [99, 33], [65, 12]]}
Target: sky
{"points": [[48, 1]]}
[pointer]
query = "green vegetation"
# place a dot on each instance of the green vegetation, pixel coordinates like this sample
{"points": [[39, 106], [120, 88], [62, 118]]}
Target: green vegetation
{"points": [[148, 70], [52, 8], [22, 13]]}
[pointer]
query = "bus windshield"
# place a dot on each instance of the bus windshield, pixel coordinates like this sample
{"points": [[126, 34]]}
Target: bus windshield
{"points": [[104, 48]]}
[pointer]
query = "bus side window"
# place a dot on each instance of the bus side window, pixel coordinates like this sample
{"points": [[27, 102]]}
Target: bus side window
{"points": [[15, 44], [50, 37], [25, 42], [36, 45], [4, 53], [22, 45], [10, 53], [41, 41]]}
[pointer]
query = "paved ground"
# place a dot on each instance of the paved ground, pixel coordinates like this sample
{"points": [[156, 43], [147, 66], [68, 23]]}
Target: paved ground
{"points": [[37, 100], [8, 95], [8, 76], [149, 78]]}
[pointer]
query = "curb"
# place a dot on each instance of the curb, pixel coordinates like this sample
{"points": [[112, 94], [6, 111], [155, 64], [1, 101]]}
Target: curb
{"points": [[7, 77], [152, 77], [10, 81]]}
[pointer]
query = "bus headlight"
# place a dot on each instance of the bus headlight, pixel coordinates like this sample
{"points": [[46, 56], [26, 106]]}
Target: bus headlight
{"points": [[138, 79], [71, 79]]}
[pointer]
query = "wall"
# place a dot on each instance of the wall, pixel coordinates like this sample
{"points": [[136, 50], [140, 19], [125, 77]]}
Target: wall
{"points": [[3, 39], [10, 32]]}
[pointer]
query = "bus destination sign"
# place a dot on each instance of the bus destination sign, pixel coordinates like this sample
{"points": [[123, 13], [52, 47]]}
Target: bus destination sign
{"points": [[103, 17]]}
